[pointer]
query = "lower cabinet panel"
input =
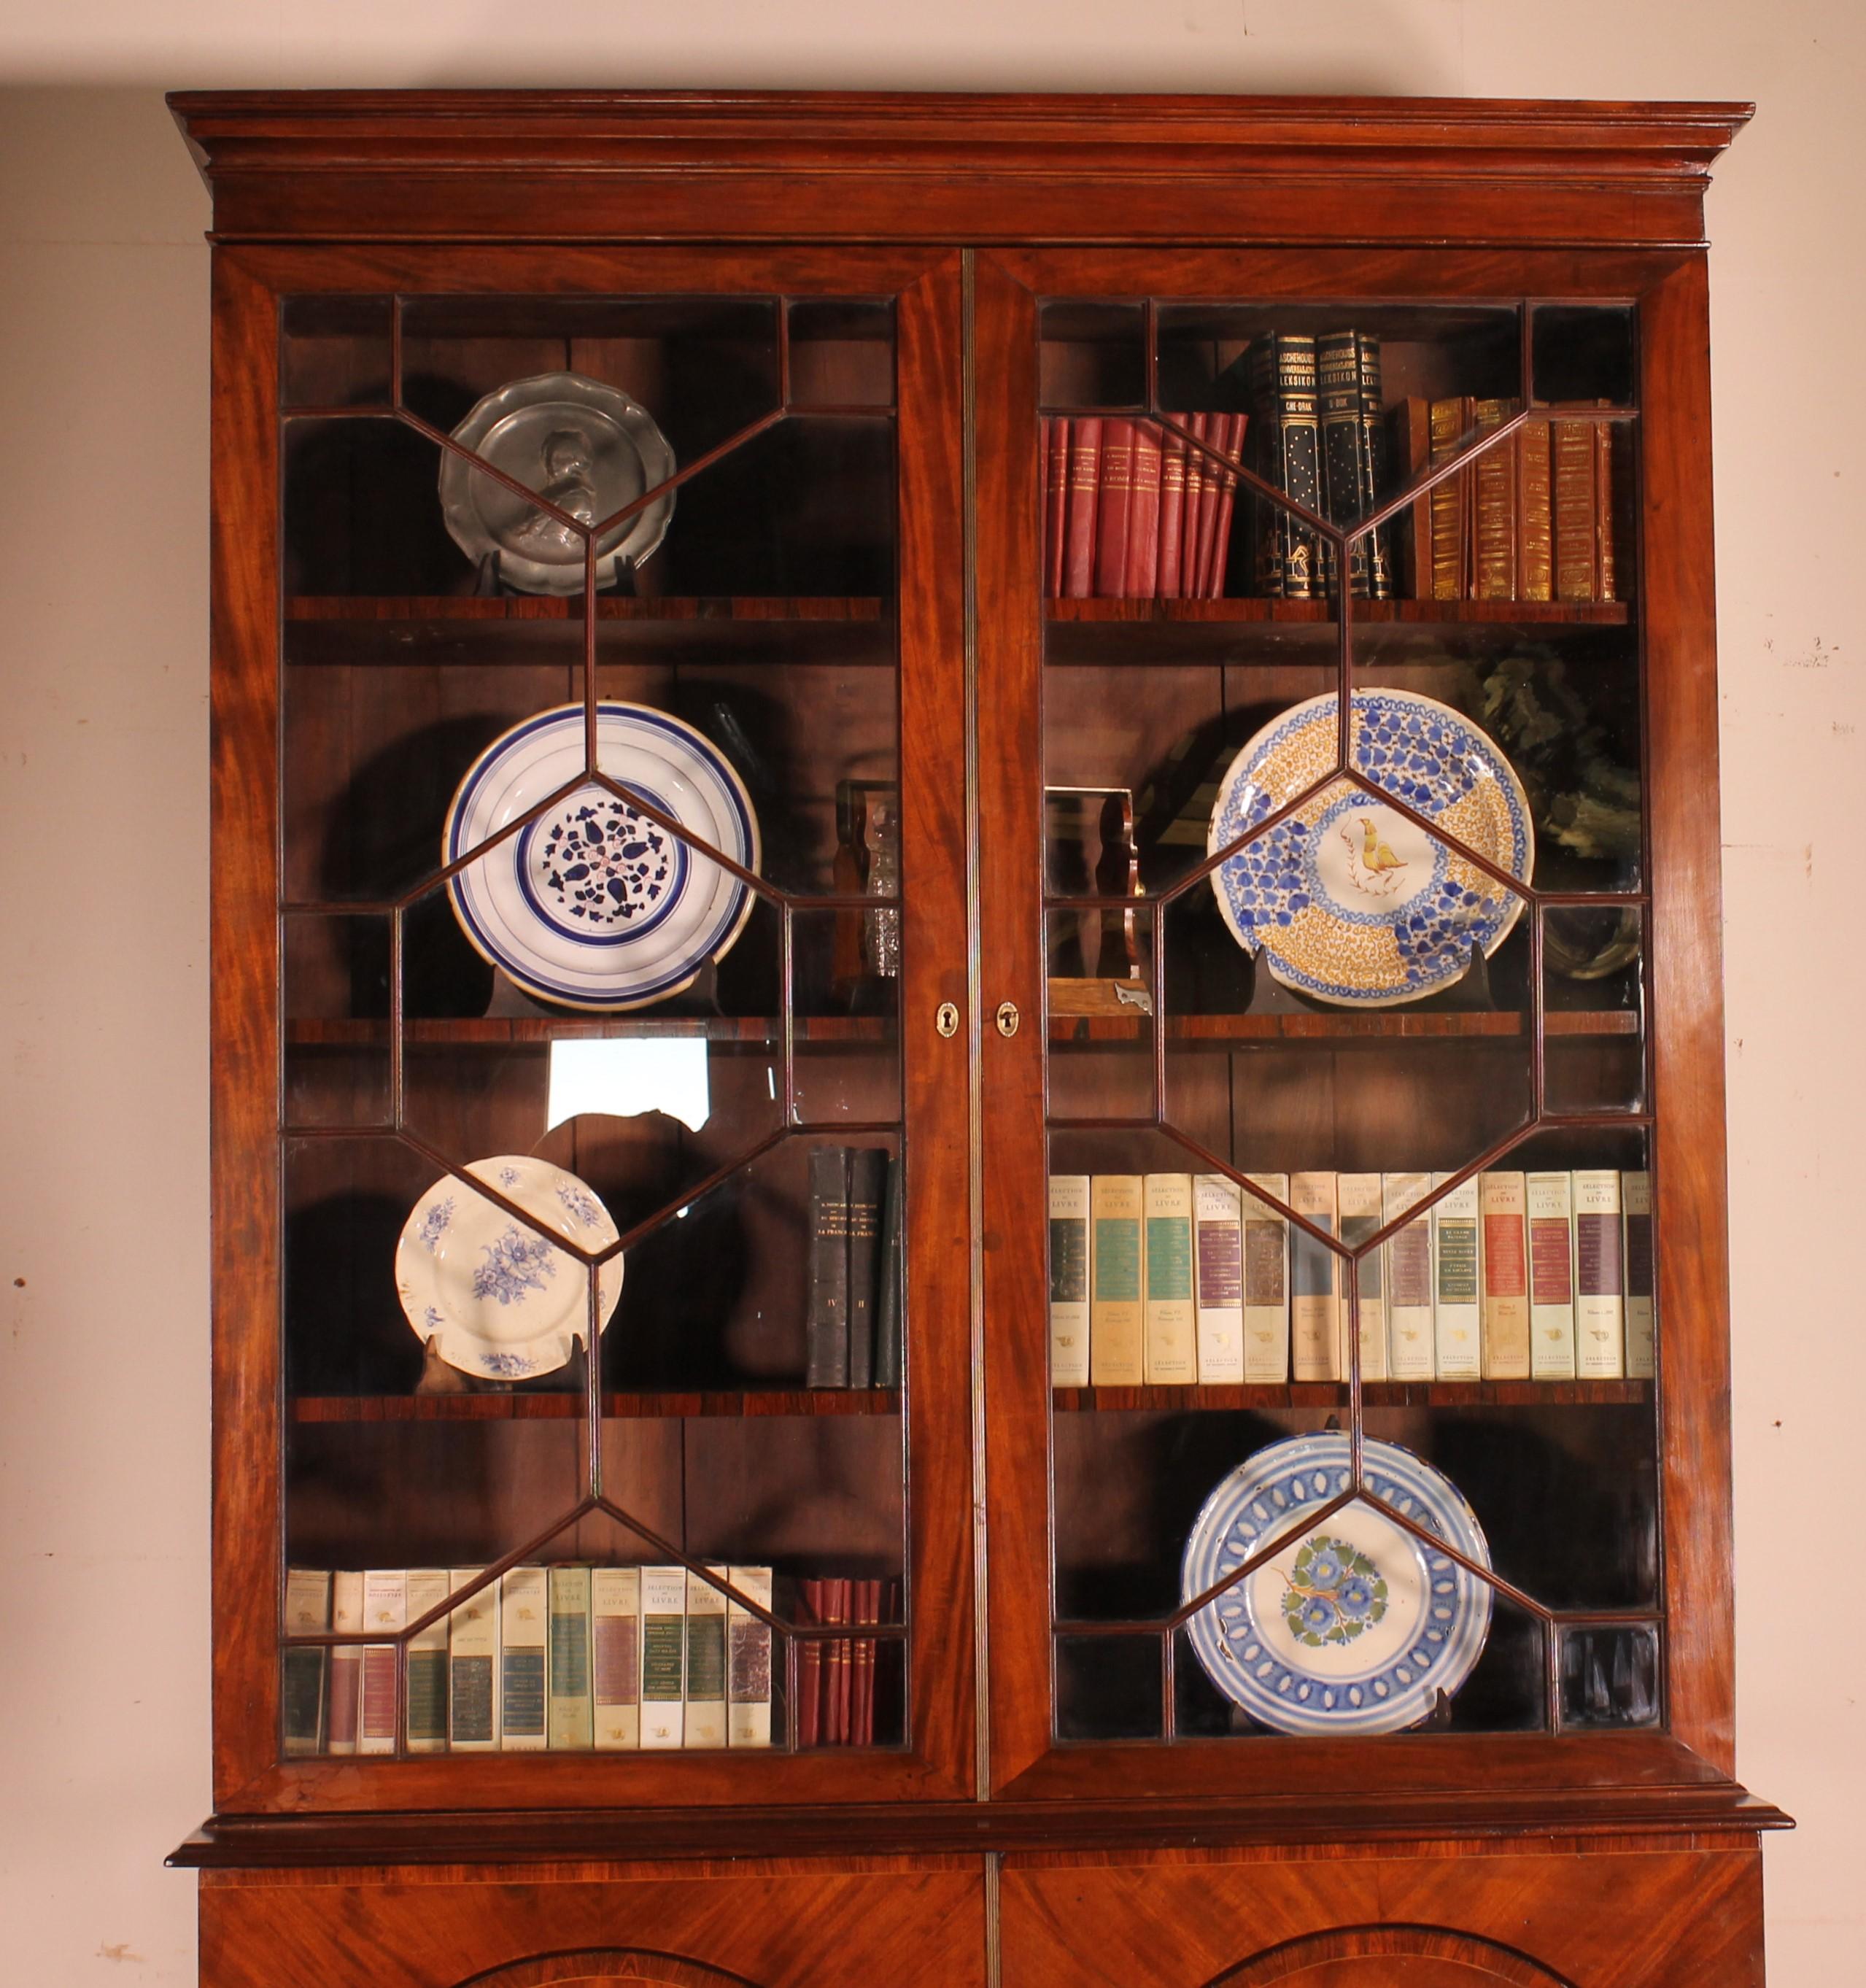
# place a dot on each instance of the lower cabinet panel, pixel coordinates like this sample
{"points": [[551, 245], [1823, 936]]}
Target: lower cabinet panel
{"points": [[899, 1924], [1437, 1916]]}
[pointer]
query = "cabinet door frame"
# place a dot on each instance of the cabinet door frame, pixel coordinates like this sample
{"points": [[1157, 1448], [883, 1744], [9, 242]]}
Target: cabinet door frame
{"points": [[249, 282], [1667, 288]]}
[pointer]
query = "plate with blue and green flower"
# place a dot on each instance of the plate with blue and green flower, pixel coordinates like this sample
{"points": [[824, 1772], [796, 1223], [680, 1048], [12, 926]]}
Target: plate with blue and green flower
{"points": [[1355, 1624]]}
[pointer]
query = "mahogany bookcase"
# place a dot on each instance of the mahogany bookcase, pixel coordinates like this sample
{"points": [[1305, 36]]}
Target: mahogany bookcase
{"points": [[853, 317]]}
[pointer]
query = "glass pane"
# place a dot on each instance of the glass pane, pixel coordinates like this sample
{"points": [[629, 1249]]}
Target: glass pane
{"points": [[574, 841], [1293, 1091]]}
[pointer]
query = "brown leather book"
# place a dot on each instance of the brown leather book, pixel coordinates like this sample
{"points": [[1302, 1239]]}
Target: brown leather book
{"points": [[1535, 513], [1112, 502], [1605, 579], [1576, 515], [1451, 500], [1172, 513], [1084, 493], [1493, 552], [1056, 501], [837, 1673], [1231, 443], [868, 1610], [1143, 573], [1412, 448]]}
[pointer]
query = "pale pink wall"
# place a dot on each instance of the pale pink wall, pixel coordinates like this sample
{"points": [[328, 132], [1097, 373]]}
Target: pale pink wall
{"points": [[104, 1423]]}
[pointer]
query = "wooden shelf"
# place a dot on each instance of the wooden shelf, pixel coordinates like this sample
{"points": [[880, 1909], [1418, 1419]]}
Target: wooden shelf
{"points": [[738, 1403], [494, 1032], [1216, 632], [1376, 1393], [1345, 1028], [391, 629]]}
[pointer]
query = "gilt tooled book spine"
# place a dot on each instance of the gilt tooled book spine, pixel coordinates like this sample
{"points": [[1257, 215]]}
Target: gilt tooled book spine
{"points": [[1337, 394], [1573, 444], [1143, 572], [1192, 509], [1450, 499], [1112, 504], [1283, 380], [1080, 519], [1606, 582], [1231, 446], [1535, 513], [1381, 580], [1056, 502], [827, 1315], [1172, 514], [1494, 503]]}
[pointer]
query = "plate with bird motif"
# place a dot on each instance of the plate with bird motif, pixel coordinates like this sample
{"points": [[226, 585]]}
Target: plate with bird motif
{"points": [[499, 1298], [587, 449], [1347, 900], [1356, 1625], [592, 903]]}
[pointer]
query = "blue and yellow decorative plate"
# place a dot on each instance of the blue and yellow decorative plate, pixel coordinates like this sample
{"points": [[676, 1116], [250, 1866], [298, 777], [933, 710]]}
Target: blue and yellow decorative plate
{"points": [[1347, 900], [1355, 1626], [593, 904]]}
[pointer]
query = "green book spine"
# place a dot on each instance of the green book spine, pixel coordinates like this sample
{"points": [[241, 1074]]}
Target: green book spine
{"points": [[572, 1724]]}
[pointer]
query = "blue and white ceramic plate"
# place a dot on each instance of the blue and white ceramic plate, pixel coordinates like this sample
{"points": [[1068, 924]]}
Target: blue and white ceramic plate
{"points": [[1355, 1626], [1347, 900], [593, 905], [498, 1299]]}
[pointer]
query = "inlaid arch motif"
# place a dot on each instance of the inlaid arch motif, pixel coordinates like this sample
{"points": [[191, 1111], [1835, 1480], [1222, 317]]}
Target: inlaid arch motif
{"points": [[593, 1964], [1390, 1956]]}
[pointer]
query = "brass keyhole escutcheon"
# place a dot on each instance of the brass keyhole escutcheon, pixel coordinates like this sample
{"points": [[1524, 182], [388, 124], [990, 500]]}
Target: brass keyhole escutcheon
{"points": [[1007, 1020], [946, 1019]]}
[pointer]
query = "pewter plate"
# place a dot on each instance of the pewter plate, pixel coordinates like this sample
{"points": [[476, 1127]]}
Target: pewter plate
{"points": [[584, 447]]}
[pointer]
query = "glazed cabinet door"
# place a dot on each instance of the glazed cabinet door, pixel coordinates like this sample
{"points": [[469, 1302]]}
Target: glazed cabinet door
{"points": [[1341, 615], [589, 880]]}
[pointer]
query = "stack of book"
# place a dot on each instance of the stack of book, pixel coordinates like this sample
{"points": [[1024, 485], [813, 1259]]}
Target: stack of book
{"points": [[574, 1659], [1132, 511], [836, 1676], [1531, 519], [852, 1312], [1174, 1280]]}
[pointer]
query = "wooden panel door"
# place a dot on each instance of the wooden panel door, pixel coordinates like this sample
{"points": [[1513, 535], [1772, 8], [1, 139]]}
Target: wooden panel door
{"points": [[802, 622]]}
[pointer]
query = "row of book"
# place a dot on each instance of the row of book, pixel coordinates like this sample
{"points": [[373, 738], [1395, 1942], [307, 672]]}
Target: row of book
{"points": [[1178, 1280], [852, 1308], [1531, 519], [570, 1659], [1132, 511]]}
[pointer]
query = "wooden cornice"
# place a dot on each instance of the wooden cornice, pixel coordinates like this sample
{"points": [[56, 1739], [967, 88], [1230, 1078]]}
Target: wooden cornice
{"points": [[599, 165]]}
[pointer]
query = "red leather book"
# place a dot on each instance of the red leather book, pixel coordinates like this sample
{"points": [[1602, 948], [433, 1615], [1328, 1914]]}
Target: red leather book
{"points": [[1231, 443], [1217, 427], [1084, 491], [1116, 493], [837, 1676], [867, 1611], [1056, 501], [809, 1668], [1172, 514], [1197, 473], [1144, 514]]}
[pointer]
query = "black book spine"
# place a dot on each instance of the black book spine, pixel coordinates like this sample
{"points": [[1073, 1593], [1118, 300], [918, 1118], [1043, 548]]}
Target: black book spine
{"points": [[1337, 392], [888, 1286], [1288, 458], [1374, 470], [826, 1318], [867, 1183]]}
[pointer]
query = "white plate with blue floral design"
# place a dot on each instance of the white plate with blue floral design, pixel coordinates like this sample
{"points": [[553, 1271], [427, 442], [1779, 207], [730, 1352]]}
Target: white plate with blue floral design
{"points": [[497, 1299], [1355, 1625], [1346, 899], [593, 905]]}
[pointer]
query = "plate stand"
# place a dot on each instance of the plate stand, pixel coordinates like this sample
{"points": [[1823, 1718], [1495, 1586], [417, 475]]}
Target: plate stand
{"points": [[489, 584]]}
